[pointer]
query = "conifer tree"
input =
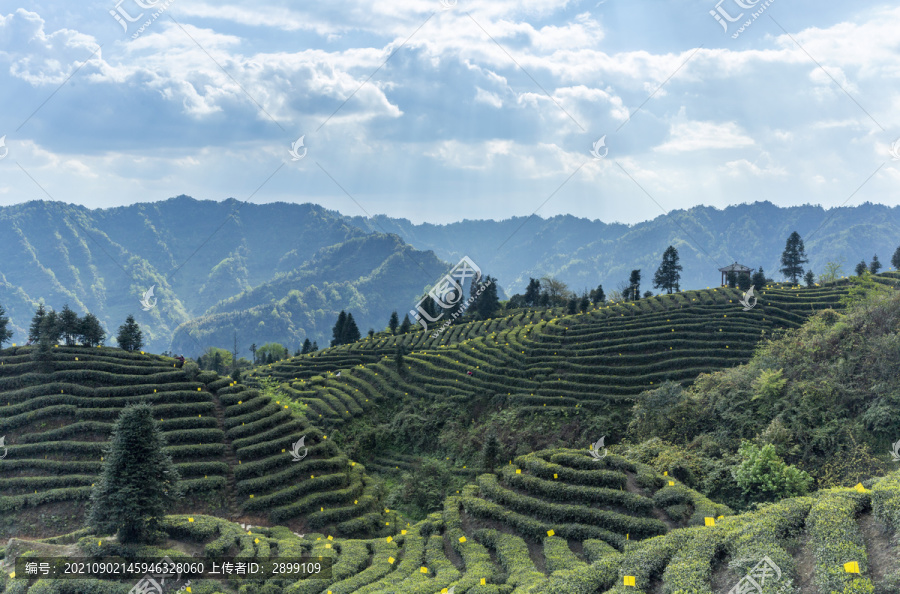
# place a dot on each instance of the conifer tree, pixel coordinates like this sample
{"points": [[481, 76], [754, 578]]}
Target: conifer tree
{"points": [[398, 357], [315, 347], [51, 328], [91, 332], [405, 325], [895, 259], [371, 332], [490, 451], [861, 268], [875, 266], [306, 348], [393, 322], [138, 483], [253, 350], [744, 281], [572, 305], [487, 304], [668, 274], [350, 333], [810, 279], [337, 332], [5, 333], [533, 292], [597, 295], [585, 302], [634, 285], [793, 258], [69, 325], [759, 278], [34, 331], [130, 337]]}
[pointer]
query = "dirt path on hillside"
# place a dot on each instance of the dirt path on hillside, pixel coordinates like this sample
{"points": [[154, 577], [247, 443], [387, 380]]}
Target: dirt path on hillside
{"points": [[880, 548], [231, 459]]}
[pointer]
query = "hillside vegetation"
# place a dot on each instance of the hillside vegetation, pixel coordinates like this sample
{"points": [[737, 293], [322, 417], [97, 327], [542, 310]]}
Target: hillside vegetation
{"points": [[529, 510]]}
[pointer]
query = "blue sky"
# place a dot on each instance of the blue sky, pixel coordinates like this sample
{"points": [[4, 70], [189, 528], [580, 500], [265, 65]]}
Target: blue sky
{"points": [[433, 113]]}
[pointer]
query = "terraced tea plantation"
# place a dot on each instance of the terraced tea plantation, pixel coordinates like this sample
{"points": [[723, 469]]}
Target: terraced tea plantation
{"points": [[230, 444], [547, 362]]}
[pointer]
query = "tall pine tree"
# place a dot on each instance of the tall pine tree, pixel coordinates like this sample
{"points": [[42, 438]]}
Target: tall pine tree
{"points": [[875, 265], [793, 258], [394, 322], [350, 332], [337, 332], [533, 292], [91, 332], [138, 483], [306, 348], [34, 331], [668, 274]]}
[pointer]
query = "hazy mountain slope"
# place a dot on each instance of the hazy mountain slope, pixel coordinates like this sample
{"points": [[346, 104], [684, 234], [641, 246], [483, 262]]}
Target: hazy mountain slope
{"points": [[584, 253], [370, 276]]}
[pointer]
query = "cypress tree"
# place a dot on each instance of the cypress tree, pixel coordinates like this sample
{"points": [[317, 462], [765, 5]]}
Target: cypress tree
{"points": [[895, 259], [584, 303], [130, 337], [634, 285], [337, 332], [90, 331], [759, 278], [487, 304], [350, 332], [533, 292], [69, 325], [793, 258], [597, 295], [875, 266], [50, 327], [307, 347], [861, 268], [315, 347], [810, 279], [744, 281], [394, 322], [138, 483], [405, 325], [34, 331]]}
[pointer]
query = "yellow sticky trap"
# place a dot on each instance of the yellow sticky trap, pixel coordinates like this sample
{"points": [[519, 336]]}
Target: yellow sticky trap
{"points": [[389, 539], [403, 532], [391, 560], [328, 545], [483, 581], [518, 471], [462, 539], [554, 476], [629, 581], [666, 473], [190, 519], [709, 521], [671, 483], [860, 488], [330, 537], [423, 569], [550, 533], [851, 567]]}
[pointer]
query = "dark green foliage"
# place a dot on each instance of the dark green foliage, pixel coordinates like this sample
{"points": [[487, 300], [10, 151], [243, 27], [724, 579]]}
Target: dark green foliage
{"points": [[130, 337], [34, 331], [5, 333], [307, 347], [895, 259], [91, 332], [810, 279], [875, 265], [744, 281], [236, 375], [572, 305], [370, 333], [668, 274], [405, 325], [597, 295], [731, 279], [138, 482], [793, 258], [393, 322], [490, 451], [632, 291], [423, 490], [533, 291], [584, 303], [398, 358], [337, 333], [759, 278], [50, 327], [350, 332], [487, 303], [69, 325], [861, 268], [315, 347]]}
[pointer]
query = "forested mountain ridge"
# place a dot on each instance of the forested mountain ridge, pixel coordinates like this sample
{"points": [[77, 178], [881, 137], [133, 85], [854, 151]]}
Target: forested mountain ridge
{"points": [[215, 266]]}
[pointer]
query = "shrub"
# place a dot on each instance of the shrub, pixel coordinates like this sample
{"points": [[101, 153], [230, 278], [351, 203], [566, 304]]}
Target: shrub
{"points": [[763, 476]]}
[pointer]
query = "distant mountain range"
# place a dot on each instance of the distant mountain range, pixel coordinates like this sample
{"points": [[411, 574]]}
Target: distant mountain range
{"points": [[281, 272]]}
